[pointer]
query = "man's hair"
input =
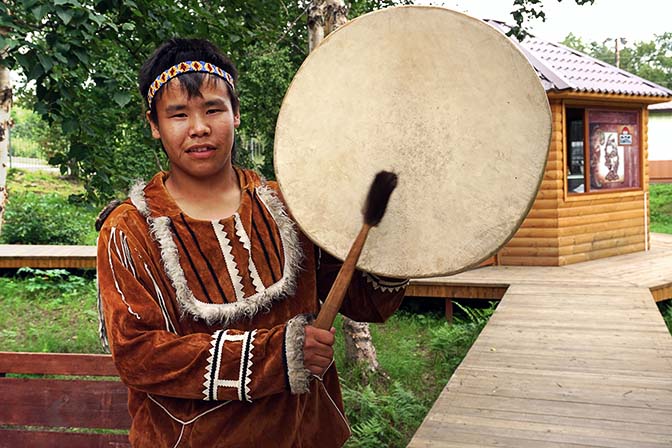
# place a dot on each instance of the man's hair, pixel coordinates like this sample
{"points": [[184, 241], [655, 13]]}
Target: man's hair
{"points": [[178, 50]]}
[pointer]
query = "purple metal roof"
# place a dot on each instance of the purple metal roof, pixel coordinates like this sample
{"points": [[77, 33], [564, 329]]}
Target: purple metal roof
{"points": [[561, 69]]}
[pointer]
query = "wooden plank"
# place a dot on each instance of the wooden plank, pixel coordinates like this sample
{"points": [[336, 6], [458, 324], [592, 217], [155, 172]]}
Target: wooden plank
{"points": [[57, 364], [64, 403], [47, 256], [50, 439]]}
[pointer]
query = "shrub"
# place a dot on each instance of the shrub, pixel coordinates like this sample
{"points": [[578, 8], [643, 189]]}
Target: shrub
{"points": [[44, 219]]}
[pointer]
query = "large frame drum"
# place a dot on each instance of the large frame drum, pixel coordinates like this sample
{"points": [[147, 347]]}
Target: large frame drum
{"points": [[444, 100]]}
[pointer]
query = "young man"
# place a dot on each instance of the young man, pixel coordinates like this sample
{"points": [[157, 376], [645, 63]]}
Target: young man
{"points": [[207, 286]]}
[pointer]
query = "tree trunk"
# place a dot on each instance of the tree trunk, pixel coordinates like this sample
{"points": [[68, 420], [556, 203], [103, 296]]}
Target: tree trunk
{"points": [[325, 16], [5, 125]]}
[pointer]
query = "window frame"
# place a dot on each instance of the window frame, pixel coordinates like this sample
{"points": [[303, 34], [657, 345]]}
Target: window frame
{"points": [[603, 193]]}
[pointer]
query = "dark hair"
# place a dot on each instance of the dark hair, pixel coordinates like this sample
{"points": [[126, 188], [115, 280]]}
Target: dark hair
{"points": [[178, 50]]}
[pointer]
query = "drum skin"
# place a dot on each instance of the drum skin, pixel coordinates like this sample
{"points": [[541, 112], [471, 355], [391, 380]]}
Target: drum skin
{"points": [[444, 100]]}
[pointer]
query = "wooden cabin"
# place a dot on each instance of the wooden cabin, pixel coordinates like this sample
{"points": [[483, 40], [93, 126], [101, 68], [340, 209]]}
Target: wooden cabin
{"points": [[593, 200]]}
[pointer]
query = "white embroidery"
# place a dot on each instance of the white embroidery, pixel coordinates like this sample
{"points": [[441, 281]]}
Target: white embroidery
{"points": [[226, 313], [231, 265], [247, 244], [187, 422], [114, 276], [385, 285], [162, 303], [212, 370]]}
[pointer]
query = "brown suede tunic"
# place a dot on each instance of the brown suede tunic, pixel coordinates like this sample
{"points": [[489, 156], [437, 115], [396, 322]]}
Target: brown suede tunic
{"points": [[205, 321]]}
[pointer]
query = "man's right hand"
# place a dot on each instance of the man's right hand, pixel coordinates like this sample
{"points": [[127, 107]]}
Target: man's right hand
{"points": [[318, 351]]}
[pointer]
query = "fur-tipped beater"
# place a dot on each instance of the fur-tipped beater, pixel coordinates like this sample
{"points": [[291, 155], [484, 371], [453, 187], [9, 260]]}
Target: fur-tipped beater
{"points": [[378, 197]]}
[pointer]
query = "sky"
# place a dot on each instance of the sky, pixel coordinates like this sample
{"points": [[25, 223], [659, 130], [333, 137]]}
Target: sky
{"points": [[634, 20]]}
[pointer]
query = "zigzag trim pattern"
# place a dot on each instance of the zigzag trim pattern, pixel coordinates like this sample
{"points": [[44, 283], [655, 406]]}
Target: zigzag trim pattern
{"points": [[385, 285], [231, 265], [247, 244], [212, 382]]}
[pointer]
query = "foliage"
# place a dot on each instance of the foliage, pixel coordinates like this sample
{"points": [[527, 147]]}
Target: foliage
{"points": [[649, 60], [42, 210], [524, 10], [382, 419], [48, 311], [28, 133], [660, 203], [43, 219], [665, 308]]}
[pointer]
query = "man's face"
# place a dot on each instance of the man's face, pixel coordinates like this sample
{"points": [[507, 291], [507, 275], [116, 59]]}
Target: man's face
{"points": [[197, 133]]}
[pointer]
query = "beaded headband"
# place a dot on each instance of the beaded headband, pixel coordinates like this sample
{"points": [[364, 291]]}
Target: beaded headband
{"points": [[182, 68]]}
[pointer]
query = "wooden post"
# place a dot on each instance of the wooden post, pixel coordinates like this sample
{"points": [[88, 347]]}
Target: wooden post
{"points": [[449, 310]]}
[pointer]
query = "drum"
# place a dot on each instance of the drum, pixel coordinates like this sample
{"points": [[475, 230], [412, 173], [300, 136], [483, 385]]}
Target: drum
{"points": [[442, 99]]}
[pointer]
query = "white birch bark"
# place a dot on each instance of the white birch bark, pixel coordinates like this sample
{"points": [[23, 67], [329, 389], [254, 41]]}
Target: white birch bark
{"points": [[325, 16]]}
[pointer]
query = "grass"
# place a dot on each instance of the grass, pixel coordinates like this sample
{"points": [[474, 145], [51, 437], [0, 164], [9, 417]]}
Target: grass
{"points": [[660, 201], [48, 311]]}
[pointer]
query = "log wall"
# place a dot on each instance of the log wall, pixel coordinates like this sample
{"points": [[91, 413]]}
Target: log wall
{"points": [[562, 229]]}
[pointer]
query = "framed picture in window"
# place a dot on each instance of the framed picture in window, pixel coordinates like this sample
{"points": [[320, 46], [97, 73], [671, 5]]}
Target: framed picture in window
{"points": [[614, 149]]}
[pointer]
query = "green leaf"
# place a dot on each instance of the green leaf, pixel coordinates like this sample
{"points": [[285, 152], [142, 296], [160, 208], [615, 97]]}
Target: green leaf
{"points": [[122, 98], [65, 15], [40, 11], [81, 55], [46, 61], [128, 26], [70, 125]]}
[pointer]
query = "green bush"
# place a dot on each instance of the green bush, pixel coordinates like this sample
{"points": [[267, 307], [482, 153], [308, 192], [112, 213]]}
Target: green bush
{"points": [[44, 219]]}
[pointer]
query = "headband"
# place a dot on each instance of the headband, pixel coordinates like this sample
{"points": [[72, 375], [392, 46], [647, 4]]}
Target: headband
{"points": [[182, 68]]}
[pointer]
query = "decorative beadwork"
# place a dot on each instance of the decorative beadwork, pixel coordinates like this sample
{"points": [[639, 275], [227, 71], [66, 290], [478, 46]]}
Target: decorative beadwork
{"points": [[182, 68]]}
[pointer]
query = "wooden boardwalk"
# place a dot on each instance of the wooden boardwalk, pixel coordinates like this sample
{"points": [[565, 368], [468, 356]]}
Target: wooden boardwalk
{"points": [[47, 256], [574, 356]]}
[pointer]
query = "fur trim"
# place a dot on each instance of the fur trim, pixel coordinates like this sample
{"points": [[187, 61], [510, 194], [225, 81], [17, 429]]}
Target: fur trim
{"points": [[226, 313], [137, 196], [295, 335]]}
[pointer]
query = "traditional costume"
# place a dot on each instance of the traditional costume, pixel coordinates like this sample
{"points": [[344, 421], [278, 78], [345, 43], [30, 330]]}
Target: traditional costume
{"points": [[205, 321]]}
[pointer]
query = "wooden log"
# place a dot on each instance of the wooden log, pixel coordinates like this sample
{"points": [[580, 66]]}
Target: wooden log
{"points": [[532, 252], [542, 214], [599, 227], [612, 217], [594, 200], [609, 234], [540, 203], [594, 255], [540, 223], [528, 261], [552, 184], [532, 242], [533, 232], [601, 245], [587, 210]]}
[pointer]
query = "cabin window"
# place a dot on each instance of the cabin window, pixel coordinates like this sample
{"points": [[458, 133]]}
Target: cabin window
{"points": [[603, 150]]}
